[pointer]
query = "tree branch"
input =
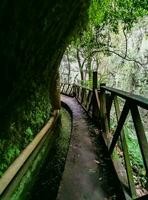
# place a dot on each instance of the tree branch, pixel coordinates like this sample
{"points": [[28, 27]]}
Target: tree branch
{"points": [[116, 53]]}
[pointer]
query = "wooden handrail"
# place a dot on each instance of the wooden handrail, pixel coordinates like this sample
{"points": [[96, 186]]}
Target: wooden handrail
{"points": [[137, 99]]}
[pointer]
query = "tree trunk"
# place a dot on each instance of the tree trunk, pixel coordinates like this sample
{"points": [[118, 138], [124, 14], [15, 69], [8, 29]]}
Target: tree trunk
{"points": [[89, 69], [69, 66], [80, 66]]}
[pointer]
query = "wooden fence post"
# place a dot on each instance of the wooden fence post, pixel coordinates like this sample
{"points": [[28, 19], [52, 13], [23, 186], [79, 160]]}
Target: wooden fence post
{"points": [[94, 103], [95, 79], [103, 115], [102, 106]]}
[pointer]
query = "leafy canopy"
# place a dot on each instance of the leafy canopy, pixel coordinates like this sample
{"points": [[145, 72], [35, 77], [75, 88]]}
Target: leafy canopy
{"points": [[114, 11], [106, 16]]}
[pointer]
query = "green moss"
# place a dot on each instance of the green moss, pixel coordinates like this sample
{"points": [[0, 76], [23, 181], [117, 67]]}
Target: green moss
{"points": [[36, 162], [7, 156], [33, 40], [26, 122]]}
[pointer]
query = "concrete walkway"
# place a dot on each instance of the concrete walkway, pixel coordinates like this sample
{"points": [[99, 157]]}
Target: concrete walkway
{"points": [[88, 174]]}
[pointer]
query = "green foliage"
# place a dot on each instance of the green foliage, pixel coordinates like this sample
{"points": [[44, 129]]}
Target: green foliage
{"points": [[97, 11], [133, 145], [28, 135], [106, 17], [11, 152], [89, 83], [103, 13], [135, 155], [114, 11]]}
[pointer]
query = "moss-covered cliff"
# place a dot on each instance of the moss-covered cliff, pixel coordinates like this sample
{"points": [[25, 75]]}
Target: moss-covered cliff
{"points": [[33, 37]]}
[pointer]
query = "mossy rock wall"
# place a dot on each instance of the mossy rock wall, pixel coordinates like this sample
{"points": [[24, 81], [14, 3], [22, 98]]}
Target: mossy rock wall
{"points": [[33, 38]]}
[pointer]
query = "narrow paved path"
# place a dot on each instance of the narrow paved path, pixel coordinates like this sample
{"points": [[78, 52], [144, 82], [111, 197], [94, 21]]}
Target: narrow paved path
{"points": [[88, 173]]}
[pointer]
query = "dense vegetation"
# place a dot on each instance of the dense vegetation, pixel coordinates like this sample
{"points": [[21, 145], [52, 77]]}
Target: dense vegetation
{"points": [[106, 44]]}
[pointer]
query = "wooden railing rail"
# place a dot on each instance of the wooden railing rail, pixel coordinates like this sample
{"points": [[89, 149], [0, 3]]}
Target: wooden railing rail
{"points": [[138, 100]]}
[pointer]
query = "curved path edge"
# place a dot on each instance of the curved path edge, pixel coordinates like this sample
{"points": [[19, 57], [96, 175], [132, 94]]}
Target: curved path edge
{"points": [[83, 175]]}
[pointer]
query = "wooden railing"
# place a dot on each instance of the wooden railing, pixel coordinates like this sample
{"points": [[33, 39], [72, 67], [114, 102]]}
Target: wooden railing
{"points": [[67, 89], [98, 104], [16, 178], [131, 103]]}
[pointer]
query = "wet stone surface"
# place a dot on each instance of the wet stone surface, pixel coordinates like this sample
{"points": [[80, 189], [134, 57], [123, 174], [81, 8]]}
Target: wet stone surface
{"points": [[89, 173]]}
